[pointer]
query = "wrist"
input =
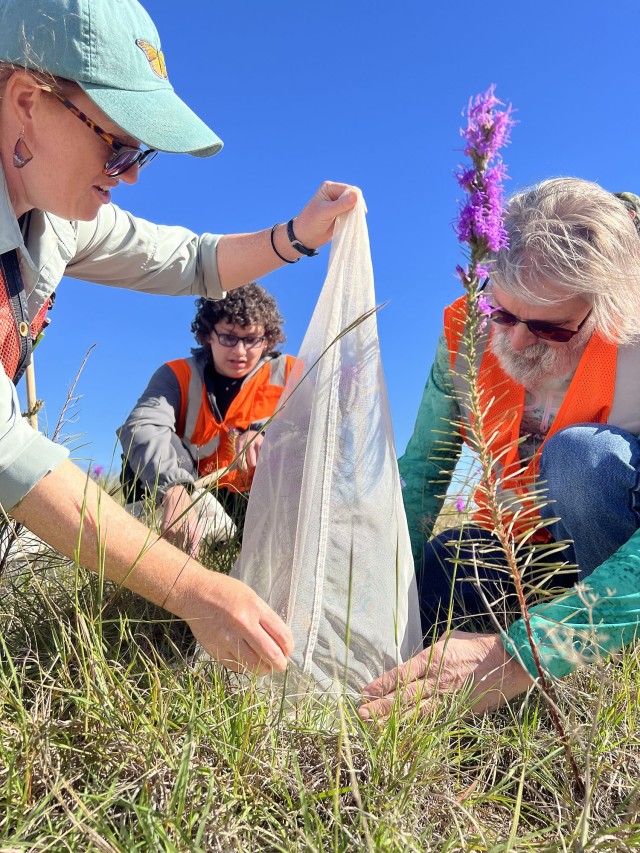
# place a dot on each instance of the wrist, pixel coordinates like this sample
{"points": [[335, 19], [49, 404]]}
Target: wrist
{"points": [[184, 588], [516, 679], [281, 245], [297, 244]]}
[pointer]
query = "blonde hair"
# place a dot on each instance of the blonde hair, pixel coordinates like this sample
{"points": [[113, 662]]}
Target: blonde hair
{"points": [[44, 78], [572, 236]]}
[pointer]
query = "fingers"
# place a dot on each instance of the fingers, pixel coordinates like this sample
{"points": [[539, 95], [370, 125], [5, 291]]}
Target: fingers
{"points": [[404, 674], [244, 660], [346, 201], [314, 224], [246, 647], [252, 454], [265, 648], [342, 197], [334, 191], [231, 622], [473, 665], [267, 652], [278, 630], [379, 709], [415, 696], [270, 639], [248, 450]]}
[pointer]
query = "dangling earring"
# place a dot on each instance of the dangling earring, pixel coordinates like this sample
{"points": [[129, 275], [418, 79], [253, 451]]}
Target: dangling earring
{"points": [[21, 153]]}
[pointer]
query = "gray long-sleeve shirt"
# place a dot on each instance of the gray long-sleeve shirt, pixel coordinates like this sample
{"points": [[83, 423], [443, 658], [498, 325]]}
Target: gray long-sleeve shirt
{"points": [[155, 453]]}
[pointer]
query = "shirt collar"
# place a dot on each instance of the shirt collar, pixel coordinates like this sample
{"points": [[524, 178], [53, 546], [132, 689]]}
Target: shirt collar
{"points": [[10, 235]]}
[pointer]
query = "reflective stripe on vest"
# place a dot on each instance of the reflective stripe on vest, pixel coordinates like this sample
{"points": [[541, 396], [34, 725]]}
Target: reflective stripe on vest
{"points": [[279, 371], [194, 404]]}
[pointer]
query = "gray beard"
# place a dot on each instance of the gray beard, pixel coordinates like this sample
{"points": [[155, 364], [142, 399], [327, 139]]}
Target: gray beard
{"points": [[539, 362]]}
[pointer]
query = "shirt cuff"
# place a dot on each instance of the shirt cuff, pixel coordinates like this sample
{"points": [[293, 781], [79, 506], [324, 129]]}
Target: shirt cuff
{"points": [[209, 260], [37, 457]]}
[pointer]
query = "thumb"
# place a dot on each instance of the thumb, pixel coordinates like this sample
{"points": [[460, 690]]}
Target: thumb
{"points": [[345, 202]]}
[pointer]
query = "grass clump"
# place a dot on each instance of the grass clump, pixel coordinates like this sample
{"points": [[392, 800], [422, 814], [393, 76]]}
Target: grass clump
{"points": [[112, 739]]}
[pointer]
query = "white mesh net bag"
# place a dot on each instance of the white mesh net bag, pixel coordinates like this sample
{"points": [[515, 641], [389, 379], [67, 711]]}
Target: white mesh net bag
{"points": [[326, 541]]}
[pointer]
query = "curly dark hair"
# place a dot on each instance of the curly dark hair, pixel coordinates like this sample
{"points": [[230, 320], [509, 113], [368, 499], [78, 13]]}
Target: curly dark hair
{"points": [[245, 306]]}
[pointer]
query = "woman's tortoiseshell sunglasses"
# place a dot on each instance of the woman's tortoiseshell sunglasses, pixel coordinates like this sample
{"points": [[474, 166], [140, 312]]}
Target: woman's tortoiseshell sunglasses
{"points": [[124, 156]]}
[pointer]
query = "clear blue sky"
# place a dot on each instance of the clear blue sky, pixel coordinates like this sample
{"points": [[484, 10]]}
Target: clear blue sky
{"points": [[365, 92]]}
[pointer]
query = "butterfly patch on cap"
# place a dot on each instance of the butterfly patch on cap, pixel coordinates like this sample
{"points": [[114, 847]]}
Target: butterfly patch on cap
{"points": [[155, 57]]}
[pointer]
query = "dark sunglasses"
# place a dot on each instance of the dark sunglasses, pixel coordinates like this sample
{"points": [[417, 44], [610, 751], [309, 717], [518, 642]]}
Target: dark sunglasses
{"points": [[539, 328], [124, 156], [250, 341]]}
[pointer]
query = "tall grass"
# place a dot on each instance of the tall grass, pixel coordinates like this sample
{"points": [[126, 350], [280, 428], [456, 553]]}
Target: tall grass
{"points": [[114, 737], [111, 738]]}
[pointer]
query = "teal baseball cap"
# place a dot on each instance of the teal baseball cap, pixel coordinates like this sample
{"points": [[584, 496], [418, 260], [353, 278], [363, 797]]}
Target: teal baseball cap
{"points": [[111, 49]]}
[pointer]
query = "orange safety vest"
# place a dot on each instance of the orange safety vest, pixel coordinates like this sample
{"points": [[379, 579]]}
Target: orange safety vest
{"points": [[211, 442], [589, 399], [16, 334]]}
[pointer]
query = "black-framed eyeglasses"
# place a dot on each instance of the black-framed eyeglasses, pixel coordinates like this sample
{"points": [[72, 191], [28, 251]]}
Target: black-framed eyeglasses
{"points": [[539, 328], [124, 157], [249, 341]]}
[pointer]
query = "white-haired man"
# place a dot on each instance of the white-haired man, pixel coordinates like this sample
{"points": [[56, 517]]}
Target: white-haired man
{"points": [[560, 391]]}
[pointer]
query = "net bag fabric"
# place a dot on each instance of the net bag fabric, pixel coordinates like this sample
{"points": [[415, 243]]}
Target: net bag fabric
{"points": [[326, 542]]}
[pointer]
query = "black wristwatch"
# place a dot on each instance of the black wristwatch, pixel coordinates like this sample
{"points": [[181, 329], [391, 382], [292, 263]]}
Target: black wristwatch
{"points": [[297, 245]]}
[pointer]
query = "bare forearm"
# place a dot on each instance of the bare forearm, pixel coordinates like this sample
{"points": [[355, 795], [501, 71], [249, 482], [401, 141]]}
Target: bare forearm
{"points": [[241, 258], [245, 257], [67, 510], [70, 512]]}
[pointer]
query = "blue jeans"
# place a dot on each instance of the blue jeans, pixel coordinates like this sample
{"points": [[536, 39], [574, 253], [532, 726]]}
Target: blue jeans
{"points": [[465, 580], [591, 473]]}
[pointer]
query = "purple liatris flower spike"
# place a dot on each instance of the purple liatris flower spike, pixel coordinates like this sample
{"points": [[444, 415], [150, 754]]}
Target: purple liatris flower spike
{"points": [[480, 223]]}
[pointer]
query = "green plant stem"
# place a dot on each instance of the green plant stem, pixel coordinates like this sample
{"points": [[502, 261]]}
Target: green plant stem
{"points": [[489, 483]]}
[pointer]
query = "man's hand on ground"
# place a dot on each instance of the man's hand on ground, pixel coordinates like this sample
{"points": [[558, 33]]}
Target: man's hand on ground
{"points": [[459, 659]]}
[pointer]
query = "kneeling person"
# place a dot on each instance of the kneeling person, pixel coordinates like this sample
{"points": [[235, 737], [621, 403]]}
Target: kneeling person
{"points": [[205, 415]]}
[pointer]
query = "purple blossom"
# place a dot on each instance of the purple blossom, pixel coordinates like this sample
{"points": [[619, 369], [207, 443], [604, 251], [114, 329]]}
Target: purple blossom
{"points": [[484, 306], [483, 270], [480, 218], [98, 471], [461, 505], [487, 129], [485, 309]]}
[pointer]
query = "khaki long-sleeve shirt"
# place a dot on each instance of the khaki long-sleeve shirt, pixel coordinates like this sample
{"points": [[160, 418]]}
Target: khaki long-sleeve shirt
{"points": [[115, 249]]}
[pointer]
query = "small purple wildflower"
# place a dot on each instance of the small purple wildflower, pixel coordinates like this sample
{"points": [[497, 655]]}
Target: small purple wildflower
{"points": [[461, 505], [98, 471], [484, 270], [485, 309], [484, 306]]}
